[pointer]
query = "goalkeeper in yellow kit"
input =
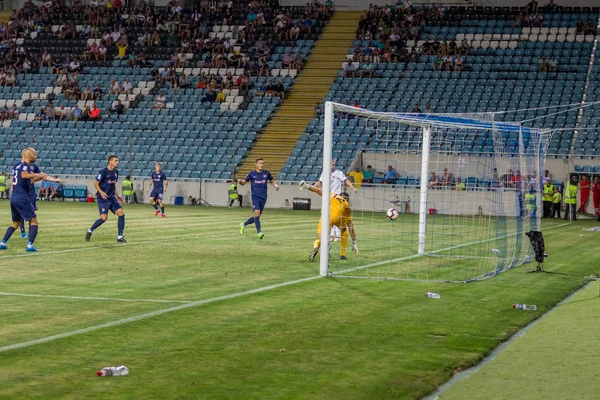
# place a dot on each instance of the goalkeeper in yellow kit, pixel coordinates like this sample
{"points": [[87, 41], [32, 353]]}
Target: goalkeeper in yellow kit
{"points": [[340, 215]]}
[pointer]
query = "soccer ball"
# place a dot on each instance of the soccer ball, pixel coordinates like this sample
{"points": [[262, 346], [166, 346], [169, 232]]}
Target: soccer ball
{"points": [[392, 214]]}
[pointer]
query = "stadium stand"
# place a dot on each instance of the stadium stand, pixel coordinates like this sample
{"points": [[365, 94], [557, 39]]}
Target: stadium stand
{"points": [[509, 62], [170, 57]]}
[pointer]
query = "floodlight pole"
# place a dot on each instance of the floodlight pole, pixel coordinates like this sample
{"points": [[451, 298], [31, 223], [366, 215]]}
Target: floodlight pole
{"points": [[327, 149], [424, 189]]}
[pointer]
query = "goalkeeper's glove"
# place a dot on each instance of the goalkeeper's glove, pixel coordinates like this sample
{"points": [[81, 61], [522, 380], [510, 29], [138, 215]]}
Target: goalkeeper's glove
{"points": [[354, 247], [303, 185]]}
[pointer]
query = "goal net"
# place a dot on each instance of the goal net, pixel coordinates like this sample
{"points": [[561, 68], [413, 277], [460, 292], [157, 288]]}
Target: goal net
{"points": [[465, 190]]}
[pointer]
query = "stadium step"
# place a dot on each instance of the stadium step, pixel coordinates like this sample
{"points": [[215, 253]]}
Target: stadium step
{"points": [[276, 142]]}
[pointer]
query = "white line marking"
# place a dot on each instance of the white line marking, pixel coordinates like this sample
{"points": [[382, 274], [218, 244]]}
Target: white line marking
{"points": [[151, 314], [50, 296]]}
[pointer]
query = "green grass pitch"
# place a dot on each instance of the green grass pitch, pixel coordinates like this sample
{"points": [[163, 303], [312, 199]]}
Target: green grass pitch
{"points": [[185, 306]]}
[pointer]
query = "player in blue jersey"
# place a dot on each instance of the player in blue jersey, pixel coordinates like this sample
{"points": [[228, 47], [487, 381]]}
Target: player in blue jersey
{"points": [[258, 186], [108, 198], [21, 205], [159, 187]]}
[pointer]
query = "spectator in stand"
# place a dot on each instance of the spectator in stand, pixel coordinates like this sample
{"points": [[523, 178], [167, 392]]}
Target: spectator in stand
{"points": [[531, 7], [118, 108], [367, 69], [220, 97], [433, 181], [390, 176], [349, 70], [46, 59], [368, 174], [127, 87], [63, 114], [114, 88], [98, 92], [590, 28], [446, 178], [121, 49], [428, 109], [75, 65], [357, 177], [416, 109], [580, 28], [458, 64], [102, 51], [11, 80], [318, 110], [182, 81], [160, 101], [76, 113], [51, 111], [552, 64], [95, 113], [287, 61], [464, 48], [14, 112], [87, 93], [550, 8], [87, 113], [542, 64], [279, 90]]}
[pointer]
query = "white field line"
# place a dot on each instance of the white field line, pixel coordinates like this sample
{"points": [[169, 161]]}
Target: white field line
{"points": [[376, 264], [151, 314], [51, 296]]}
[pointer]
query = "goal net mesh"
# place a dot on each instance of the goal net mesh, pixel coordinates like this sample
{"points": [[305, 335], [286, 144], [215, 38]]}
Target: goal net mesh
{"points": [[482, 194]]}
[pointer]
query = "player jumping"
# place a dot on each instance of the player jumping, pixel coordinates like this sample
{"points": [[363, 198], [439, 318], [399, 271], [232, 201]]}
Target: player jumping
{"points": [[160, 182], [258, 179], [108, 198], [340, 216]]}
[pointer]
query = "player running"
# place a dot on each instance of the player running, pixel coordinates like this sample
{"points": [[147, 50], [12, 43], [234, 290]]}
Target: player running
{"points": [[21, 204], [160, 182], [340, 216], [108, 198], [258, 179]]}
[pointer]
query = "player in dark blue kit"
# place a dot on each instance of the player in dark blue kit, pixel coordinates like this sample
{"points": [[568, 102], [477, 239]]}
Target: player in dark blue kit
{"points": [[258, 186], [21, 205], [159, 187], [108, 198]]}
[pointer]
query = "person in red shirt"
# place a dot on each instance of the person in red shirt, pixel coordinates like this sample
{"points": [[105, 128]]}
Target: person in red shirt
{"points": [[584, 192], [596, 195], [95, 114]]}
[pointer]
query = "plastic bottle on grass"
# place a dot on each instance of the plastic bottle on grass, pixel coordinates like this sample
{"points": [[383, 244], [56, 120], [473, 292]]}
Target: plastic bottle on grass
{"points": [[432, 295], [113, 371], [525, 307]]}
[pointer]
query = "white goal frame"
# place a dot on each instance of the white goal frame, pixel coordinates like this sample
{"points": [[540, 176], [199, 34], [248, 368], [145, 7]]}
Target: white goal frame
{"points": [[423, 121]]}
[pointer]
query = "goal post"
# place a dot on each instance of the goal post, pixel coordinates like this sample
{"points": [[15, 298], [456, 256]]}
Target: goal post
{"points": [[466, 187]]}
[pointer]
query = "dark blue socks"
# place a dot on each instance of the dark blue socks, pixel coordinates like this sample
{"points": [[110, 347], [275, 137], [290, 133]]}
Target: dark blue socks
{"points": [[8, 233], [98, 222], [33, 229], [250, 221], [121, 225], [257, 222]]}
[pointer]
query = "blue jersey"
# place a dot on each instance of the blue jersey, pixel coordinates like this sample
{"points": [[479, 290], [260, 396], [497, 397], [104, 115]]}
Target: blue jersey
{"points": [[21, 187], [158, 179], [107, 180], [259, 182]]}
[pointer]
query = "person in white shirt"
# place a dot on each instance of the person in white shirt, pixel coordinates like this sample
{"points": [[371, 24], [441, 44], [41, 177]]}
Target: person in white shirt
{"points": [[127, 86], [115, 88], [338, 178]]}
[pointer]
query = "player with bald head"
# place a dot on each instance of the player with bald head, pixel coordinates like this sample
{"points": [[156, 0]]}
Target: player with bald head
{"points": [[24, 175]]}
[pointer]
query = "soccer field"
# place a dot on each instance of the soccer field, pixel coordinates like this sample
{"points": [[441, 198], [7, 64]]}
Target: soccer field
{"points": [[197, 311]]}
